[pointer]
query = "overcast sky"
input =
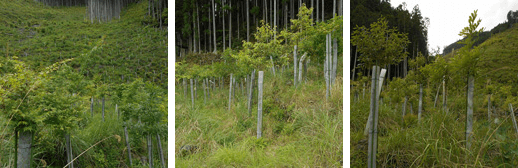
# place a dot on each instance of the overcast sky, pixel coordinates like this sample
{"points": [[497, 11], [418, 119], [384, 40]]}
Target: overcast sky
{"points": [[449, 17]]}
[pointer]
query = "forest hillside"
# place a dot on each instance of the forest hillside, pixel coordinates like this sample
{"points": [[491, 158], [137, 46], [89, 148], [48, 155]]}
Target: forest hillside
{"points": [[455, 111], [272, 101], [86, 84]]}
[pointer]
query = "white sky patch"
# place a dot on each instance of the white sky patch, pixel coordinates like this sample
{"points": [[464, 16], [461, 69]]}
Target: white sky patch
{"points": [[449, 17]]}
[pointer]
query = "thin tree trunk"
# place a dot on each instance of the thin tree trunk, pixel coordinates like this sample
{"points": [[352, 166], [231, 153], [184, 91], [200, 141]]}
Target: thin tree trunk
{"points": [[194, 49], [335, 60], [230, 27], [354, 65], [318, 11], [198, 26], [334, 8], [312, 12], [286, 15], [275, 19], [247, 22], [223, 18], [322, 10], [214, 26]]}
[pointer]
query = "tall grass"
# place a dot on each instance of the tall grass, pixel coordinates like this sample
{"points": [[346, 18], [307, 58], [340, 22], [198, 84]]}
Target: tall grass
{"points": [[438, 141], [300, 129]]}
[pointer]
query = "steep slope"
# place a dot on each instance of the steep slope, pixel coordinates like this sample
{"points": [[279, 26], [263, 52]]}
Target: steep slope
{"points": [[40, 35], [500, 59]]}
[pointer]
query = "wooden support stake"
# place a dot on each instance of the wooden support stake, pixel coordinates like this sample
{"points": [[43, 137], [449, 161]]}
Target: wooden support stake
{"points": [[260, 105]]}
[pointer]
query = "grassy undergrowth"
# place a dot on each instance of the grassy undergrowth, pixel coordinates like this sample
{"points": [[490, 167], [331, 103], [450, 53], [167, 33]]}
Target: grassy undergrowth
{"points": [[299, 128], [439, 139], [132, 47], [49, 147], [40, 35]]}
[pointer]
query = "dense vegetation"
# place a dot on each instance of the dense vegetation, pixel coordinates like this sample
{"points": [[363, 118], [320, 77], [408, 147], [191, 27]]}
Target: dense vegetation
{"points": [[411, 23], [466, 117], [69, 86], [216, 116]]}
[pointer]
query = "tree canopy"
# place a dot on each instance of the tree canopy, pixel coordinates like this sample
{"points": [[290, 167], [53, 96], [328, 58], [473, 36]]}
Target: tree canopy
{"points": [[379, 45]]}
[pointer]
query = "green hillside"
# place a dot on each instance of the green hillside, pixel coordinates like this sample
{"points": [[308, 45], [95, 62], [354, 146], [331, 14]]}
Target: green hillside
{"points": [[438, 138], [498, 62], [40, 35], [61, 75], [500, 59]]}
